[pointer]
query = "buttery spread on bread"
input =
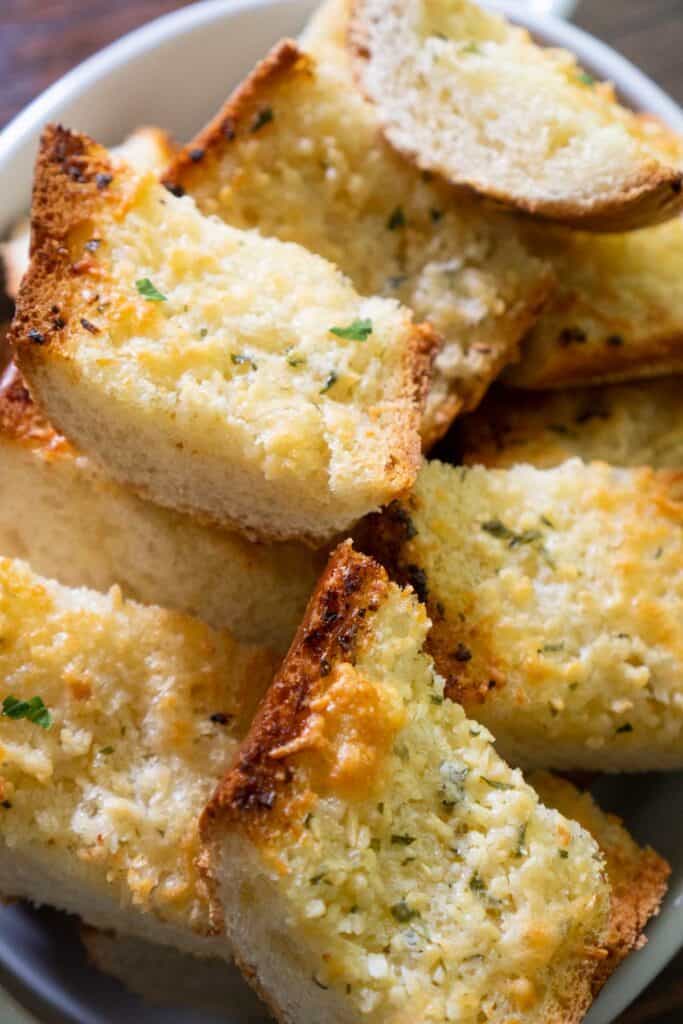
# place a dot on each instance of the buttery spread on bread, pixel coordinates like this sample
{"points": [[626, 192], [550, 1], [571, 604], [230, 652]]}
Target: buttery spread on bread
{"points": [[117, 721], [556, 597], [374, 856]]}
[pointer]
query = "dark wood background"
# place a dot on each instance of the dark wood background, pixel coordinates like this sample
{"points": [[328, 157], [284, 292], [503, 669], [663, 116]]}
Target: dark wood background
{"points": [[41, 39]]}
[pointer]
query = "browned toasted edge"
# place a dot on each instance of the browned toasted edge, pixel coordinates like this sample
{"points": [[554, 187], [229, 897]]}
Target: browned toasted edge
{"points": [[236, 116], [351, 587], [637, 875], [72, 183], [386, 536], [20, 418], [647, 200]]}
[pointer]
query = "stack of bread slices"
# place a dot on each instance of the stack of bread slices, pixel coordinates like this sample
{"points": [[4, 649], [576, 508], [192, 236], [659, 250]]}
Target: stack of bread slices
{"points": [[300, 616]]}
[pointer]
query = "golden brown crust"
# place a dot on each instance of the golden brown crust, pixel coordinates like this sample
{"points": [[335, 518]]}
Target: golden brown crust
{"points": [[461, 659], [72, 182], [240, 107], [20, 418], [648, 199], [351, 586]]}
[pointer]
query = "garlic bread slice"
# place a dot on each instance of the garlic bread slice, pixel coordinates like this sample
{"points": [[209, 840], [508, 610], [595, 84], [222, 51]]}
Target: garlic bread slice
{"points": [[473, 98], [375, 858], [146, 149], [236, 378], [616, 314], [556, 598], [117, 721]]}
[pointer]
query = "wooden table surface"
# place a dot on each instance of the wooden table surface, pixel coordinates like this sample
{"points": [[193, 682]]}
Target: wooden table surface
{"points": [[41, 39]]}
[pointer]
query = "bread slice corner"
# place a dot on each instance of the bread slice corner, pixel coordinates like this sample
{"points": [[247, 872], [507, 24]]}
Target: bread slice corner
{"points": [[475, 99]]}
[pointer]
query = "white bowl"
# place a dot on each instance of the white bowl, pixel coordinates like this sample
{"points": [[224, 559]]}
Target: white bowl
{"points": [[175, 72]]}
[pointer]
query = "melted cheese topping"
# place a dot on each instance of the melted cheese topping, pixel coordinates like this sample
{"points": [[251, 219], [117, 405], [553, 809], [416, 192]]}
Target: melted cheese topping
{"points": [[564, 588], [317, 174], [115, 786], [241, 363], [444, 891]]}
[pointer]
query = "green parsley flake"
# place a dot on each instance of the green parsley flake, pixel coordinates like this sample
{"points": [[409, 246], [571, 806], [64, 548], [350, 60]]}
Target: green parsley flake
{"points": [[402, 913], [357, 330], [586, 79], [32, 710], [148, 290], [107, 750]]}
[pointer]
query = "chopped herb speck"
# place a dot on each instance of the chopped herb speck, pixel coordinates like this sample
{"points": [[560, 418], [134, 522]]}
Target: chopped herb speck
{"points": [[148, 290], [32, 710], [402, 913], [357, 330]]}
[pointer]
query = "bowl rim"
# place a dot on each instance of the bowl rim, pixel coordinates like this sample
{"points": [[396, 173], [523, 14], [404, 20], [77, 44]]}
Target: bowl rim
{"points": [[634, 86]]}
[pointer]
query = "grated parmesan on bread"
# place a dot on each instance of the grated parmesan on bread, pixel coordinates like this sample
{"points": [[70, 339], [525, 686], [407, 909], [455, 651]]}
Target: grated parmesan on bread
{"points": [[617, 313], [373, 856], [295, 152], [101, 784], [239, 379], [469, 96], [556, 599], [166, 977], [637, 875], [61, 513], [636, 424], [146, 149]]}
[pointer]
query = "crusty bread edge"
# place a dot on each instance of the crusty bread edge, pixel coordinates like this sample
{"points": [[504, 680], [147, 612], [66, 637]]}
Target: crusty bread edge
{"points": [[72, 183], [648, 199], [352, 585]]}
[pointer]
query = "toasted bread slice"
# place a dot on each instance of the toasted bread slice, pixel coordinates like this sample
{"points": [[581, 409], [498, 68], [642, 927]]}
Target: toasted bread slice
{"points": [[617, 313], [238, 378], [295, 152], [467, 95], [102, 783], [372, 854], [146, 149], [60, 512], [556, 597], [636, 424], [637, 875]]}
